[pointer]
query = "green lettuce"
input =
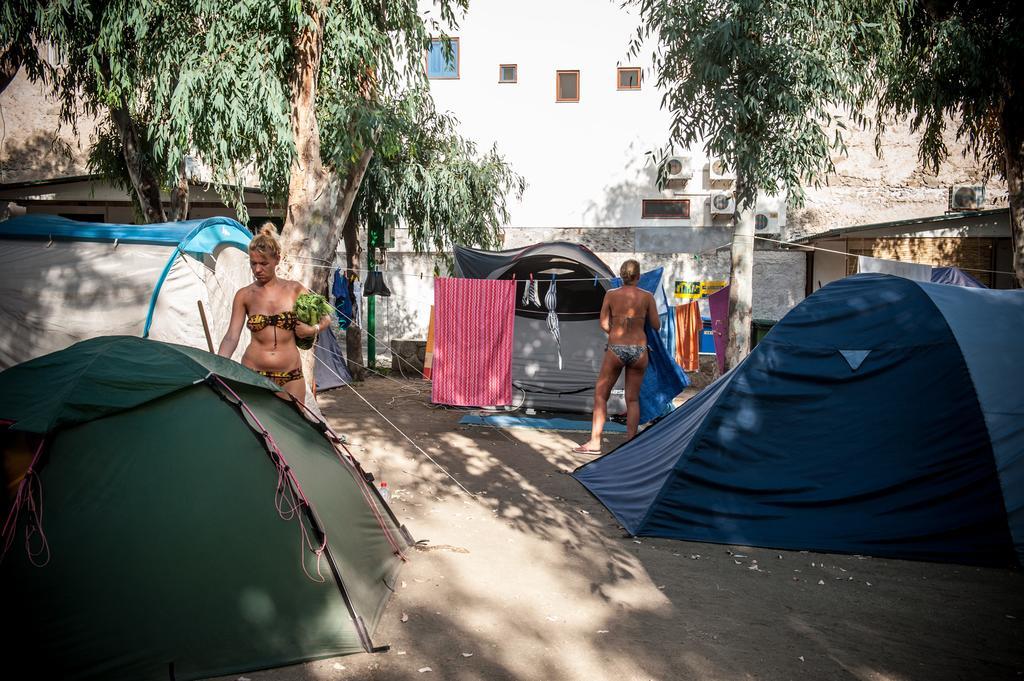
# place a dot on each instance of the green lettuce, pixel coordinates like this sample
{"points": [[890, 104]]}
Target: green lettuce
{"points": [[310, 308]]}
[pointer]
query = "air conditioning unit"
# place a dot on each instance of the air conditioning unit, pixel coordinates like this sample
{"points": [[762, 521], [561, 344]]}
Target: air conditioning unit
{"points": [[677, 168], [718, 173], [723, 204], [966, 197], [766, 222]]}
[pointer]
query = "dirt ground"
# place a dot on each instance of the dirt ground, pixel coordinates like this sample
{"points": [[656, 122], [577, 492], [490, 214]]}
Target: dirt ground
{"points": [[533, 579]]}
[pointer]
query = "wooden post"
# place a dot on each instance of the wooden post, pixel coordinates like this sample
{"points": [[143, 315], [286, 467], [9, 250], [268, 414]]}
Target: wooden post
{"points": [[206, 327]]}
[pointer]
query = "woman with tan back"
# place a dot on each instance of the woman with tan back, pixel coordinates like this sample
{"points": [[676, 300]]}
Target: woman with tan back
{"points": [[623, 315], [266, 307]]}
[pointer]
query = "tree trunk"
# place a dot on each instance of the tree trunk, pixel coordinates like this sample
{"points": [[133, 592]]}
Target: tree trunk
{"points": [[1012, 128], [354, 333], [741, 286], [179, 196], [318, 201], [144, 181]]}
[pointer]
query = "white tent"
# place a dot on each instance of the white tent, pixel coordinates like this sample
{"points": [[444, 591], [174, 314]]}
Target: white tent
{"points": [[62, 281]]}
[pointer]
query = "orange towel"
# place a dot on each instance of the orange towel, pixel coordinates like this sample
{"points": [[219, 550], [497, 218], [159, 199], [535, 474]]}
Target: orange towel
{"points": [[688, 330], [428, 358]]}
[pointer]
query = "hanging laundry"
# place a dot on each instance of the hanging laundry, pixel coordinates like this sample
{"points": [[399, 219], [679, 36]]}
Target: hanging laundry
{"points": [[719, 304], [551, 300], [688, 330], [342, 299], [473, 325], [329, 368], [531, 296], [375, 285], [907, 270]]}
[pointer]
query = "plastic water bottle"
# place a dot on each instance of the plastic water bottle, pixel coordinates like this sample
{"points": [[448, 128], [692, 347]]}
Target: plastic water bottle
{"points": [[385, 493]]}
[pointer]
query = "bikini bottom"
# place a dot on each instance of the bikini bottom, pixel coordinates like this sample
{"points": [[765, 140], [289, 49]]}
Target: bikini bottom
{"points": [[282, 377], [627, 354]]}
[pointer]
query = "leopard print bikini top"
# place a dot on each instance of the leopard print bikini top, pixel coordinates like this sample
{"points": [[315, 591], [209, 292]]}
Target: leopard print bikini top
{"points": [[284, 320]]}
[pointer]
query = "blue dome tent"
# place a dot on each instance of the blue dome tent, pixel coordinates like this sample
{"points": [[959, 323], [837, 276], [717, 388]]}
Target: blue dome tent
{"points": [[881, 416]]}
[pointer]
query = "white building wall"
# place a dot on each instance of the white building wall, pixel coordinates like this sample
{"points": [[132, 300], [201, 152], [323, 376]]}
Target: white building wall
{"points": [[585, 161]]}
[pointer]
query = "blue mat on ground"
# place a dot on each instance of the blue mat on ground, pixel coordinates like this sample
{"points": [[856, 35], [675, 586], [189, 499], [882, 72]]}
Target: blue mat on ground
{"points": [[510, 421]]}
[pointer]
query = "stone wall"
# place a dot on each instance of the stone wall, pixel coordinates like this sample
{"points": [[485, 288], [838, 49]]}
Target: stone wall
{"points": [[35, 145], [868, 188]]}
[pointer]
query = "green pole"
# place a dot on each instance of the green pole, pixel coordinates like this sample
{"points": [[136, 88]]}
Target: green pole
{"points": [[371, 320]]}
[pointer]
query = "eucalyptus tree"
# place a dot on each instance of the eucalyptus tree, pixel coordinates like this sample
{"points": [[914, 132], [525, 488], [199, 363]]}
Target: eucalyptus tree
{"points": [[759, 84], [428, 178], [19, 37], [167, 80], [294, 93], [425, 177], [958, 63]]}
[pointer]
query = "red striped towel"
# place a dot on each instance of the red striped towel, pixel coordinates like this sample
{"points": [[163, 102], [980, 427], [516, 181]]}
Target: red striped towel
{"points": [[473, 341]]}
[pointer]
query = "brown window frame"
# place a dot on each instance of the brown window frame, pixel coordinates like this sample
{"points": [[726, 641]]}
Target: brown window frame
{"points": [[508, 82], [684, 203], [578, 88], [618, 81], [458, 59]]}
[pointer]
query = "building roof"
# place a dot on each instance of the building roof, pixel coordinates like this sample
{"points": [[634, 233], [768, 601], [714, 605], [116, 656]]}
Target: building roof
{"points": [[92, 177], [935, 219]]}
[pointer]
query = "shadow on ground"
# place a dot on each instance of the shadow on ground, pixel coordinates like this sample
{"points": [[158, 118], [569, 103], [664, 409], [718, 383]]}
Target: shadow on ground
{"points": [[532, 579]]}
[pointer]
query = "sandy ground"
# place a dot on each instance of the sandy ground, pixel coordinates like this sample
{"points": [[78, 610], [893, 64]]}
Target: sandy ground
{"points": [[533, 579]]}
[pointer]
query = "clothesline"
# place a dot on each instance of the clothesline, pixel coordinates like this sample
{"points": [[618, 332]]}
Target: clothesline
{"points": [[402, 433], [705, 252]]}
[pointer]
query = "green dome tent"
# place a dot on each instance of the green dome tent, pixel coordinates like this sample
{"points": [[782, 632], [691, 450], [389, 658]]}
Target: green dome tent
{"points": [[168, 516]]}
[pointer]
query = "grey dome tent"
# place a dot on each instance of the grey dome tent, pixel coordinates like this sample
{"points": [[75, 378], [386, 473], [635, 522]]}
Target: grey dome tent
{"points": [[63, 281], [194, 524], [535, 355], [881, 416]]}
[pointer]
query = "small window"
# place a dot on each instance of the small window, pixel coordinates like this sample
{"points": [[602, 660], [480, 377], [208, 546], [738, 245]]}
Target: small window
{"points": [[508, 73], [567, 86], [665, 209], [441, 64], [629, 78]]}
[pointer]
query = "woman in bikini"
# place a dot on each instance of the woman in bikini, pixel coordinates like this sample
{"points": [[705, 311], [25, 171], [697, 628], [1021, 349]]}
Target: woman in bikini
{"points": [[623, 314], [265, 306]]}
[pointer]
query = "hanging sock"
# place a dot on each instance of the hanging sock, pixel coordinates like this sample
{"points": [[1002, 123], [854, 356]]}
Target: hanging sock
{"points": [[551, 300], [375, 285], [531, 294]]}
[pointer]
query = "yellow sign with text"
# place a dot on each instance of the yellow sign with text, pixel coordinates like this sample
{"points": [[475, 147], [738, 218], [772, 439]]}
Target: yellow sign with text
{"points": [[695, 290]]}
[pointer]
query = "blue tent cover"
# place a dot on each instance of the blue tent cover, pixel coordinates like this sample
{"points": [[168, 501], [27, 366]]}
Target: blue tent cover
{"points": [[881, 416], [195, 237]]}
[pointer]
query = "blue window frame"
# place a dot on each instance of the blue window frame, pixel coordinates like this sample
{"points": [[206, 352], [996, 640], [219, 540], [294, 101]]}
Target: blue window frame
{"points": [[441, 65]]}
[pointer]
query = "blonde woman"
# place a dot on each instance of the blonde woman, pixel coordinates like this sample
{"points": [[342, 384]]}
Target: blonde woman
{"points": [[265, 306], [623, 315]]}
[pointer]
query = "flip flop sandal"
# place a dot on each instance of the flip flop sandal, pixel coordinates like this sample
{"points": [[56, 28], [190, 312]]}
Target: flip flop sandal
{"points": [[583, 450]]}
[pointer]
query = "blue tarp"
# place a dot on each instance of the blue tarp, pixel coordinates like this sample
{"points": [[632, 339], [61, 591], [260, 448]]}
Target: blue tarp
{"points": [[556, 423], [664, 379], [329, 369], [881, 416], [954, 276]]}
